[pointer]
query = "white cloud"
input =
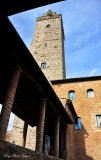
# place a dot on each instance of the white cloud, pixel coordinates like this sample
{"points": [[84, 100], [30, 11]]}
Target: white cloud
{"points": [[93, 71]]}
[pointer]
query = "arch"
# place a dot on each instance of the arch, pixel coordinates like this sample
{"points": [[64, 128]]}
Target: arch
{"points": [[71, 94], [90, 93]]}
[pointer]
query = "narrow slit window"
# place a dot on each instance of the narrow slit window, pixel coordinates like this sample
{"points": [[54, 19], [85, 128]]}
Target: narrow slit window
{"points": [[98, 120], [72, 95], [78, 125], [90, 93]]}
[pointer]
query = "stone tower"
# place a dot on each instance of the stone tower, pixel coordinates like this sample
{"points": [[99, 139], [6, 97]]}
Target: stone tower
{"points": [[47, 46]]}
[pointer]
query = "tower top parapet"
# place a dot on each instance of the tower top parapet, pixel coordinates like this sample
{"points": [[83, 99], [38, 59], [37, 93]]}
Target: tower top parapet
{"points": [[49, 15]]}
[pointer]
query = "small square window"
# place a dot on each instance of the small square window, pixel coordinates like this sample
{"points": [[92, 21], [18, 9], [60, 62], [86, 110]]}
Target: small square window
{"points": [[98, 120], [48, 26], [78, 125]]}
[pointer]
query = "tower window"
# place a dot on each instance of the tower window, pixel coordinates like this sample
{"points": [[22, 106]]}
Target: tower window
{"points": [[72, 95], [78, 123], [90, 93], [98, 120], [43, 65], [46, 44], [48, 26]]}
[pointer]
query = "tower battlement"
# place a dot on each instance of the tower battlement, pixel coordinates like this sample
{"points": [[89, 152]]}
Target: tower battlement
{"points": [[49, 15]]}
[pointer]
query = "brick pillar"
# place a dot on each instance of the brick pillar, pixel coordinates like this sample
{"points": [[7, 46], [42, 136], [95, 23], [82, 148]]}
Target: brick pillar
{"points": [[40, 127], [62, 140], [71, 142], [24, 134], [56, 137], [8, 103], [66, 142]]}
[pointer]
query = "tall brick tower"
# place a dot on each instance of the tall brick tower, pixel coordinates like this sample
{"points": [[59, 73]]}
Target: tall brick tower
{"points": [[47, 46]]}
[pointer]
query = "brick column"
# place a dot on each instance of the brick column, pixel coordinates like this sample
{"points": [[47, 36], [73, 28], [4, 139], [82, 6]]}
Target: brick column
{"points": [[40, 127], [71, 142], [8, 103], [56, 137], [66, 142], [62, 140], [24, 134]]}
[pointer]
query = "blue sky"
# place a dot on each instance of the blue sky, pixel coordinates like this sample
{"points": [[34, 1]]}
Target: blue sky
{"points": [[82, 28]]}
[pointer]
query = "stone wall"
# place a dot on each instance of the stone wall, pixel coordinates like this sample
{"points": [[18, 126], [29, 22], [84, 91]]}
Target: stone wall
{"points": [[16, 135], [88, 139], [48, 45]]}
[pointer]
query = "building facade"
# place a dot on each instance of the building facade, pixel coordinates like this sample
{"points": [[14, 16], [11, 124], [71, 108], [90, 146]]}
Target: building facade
{"points": [[47, 47], [86, 99]]}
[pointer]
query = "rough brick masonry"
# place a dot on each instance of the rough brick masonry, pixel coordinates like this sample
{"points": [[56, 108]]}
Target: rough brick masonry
{"points": [[87, 140]]}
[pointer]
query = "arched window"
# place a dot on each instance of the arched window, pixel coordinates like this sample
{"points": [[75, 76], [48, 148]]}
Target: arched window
{"points": [[90, 93], [43, 65], [71, 95]]}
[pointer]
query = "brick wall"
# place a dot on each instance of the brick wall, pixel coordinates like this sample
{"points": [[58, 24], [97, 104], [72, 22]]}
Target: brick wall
{"points": [[88, 139]]}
